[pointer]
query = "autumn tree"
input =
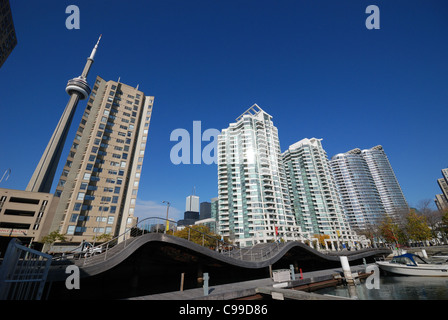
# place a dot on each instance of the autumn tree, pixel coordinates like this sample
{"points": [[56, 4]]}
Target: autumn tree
{"points": [[321, 238], [416, 227], [391, 231], [198, 234]]}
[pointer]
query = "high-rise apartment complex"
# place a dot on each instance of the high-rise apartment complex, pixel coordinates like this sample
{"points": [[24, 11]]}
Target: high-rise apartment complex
{"points": [[312, 190], [253, 195], [8, 39], [359, 195], [386, 182], [100, 179]]}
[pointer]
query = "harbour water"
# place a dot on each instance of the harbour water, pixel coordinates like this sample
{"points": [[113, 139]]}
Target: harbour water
{"points": [[395, 288]]}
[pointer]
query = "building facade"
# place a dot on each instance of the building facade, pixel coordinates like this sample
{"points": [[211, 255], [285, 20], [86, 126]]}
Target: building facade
{"points": [[312, 190], [100, 179], [205, 210], [441, 200], [25, 215], [192, 204], [356, 187], [8, 38], [253, 200], [386, 182]]}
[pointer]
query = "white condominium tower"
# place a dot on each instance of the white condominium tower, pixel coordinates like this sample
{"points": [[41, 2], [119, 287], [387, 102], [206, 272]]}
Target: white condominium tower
{"points": [[254, 205], [386, 182], [312, 190], [359, 195]]}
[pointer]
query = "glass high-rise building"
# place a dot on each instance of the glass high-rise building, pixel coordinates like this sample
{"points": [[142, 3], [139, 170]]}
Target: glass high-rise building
{"points": [[359, 195], [98, 186], [386, 182], [254, 204], [312, 190]]}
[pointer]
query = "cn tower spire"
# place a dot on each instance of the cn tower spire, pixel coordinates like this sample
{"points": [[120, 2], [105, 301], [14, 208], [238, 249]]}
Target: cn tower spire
{"points": [[78, 89]]}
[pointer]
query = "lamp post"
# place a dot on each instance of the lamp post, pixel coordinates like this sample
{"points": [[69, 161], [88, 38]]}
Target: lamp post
{"points": [[9, 173], [167, 208]]}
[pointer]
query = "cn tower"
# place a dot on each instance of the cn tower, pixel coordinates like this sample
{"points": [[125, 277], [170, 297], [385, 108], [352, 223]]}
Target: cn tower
{"points": [[78, 89]]}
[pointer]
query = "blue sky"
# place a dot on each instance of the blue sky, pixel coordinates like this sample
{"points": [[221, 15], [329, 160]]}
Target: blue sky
{"points": [[312, 65]]}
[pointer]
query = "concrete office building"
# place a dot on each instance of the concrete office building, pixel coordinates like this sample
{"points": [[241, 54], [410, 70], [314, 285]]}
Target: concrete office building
{"points": [[24, 215], [191, 214], [100, 179], [8, 38], [386, 182], [312, 190], [192, 203], [356, 187], [254, 204]]}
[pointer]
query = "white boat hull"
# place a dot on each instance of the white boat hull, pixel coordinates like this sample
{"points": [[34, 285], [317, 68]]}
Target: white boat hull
{"points": [[420, 270]]}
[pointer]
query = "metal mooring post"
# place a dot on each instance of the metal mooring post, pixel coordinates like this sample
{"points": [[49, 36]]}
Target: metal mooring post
{"points": [[206, 278], [293, 275]]}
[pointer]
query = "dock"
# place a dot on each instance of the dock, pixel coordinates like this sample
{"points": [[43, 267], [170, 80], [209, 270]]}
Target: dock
{"points": [[266, 287]]}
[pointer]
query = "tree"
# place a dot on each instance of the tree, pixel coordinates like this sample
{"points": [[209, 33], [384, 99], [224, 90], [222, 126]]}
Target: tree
{"points": [[52, 237], [417, 228], [444, 224], [391, 232], [103, 237], [198, 234], [321, 238]]}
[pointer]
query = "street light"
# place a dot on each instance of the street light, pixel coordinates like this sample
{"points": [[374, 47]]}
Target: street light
{"points": [[167, 208]]}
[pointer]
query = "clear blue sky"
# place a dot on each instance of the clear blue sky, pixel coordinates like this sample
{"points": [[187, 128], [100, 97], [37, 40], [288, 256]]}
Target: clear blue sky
{"points": [[312, 65]]}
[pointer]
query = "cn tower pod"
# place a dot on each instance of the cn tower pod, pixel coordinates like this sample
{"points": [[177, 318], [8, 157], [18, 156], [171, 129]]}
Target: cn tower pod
{"points": [[79, 85]]}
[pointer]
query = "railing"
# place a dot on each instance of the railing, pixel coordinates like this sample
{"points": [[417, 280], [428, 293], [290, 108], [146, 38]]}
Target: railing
{"points": [[102, 252], [141, 228], [23, 272]]}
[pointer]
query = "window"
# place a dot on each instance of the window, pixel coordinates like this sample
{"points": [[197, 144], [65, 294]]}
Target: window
{"points": [[86, 176], [71, 230], [117, 190], [77, 206], [74, 217], [80, 196]]}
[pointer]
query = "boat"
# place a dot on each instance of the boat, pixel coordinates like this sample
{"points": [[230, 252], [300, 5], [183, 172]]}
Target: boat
{"points": [[409, 264]]}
